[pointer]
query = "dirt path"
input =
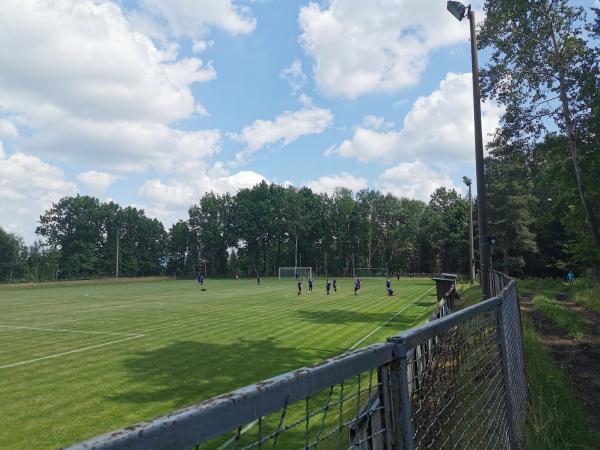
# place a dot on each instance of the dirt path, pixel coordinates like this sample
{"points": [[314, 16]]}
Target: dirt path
{"points": [[580, 357]]}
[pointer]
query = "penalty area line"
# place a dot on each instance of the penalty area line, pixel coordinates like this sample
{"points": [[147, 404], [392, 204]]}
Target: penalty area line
{"points": [[390, 319], [70, 351]]}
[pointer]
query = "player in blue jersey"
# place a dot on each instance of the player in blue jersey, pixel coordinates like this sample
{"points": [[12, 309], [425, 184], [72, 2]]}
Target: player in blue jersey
{"points": [[328, 286], [299, 286], [356, 286], [310, 284], [201, 279], [390, 291], [296, 275], [388, 284], [334, 285]]}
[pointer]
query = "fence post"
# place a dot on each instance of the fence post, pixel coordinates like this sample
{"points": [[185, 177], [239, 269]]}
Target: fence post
{"points": [[401, 405], [506, 375], [386, 401]]}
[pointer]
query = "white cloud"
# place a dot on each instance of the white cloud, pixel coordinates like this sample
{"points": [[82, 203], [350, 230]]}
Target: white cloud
{"points": [[171, 199], [28, 186], [438, 126], [294, 75], [286, 128], [362, 47], [200, 46], [376, 123], [97, 182], [413, 180], [193, 18], [8, 129], [81, 79], [327, 184]]}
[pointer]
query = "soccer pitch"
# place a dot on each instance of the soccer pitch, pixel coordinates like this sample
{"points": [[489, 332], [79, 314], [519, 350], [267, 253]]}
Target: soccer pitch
{"points": [[83, 359]]}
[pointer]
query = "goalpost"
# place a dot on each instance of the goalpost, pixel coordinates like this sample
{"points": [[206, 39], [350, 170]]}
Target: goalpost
{"points": [[367, 272], [303, 272]]}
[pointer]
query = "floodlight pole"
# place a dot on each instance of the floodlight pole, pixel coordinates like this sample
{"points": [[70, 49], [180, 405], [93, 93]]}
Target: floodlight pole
{"points": [[484, 246], [117, 264], [469, 183]]}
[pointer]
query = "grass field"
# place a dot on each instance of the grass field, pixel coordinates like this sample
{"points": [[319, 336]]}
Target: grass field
{"points": [[83, 359]]}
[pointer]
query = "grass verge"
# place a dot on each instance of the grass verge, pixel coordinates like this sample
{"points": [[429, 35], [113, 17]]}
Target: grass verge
{"points": [[571, 322], [556, 420]]}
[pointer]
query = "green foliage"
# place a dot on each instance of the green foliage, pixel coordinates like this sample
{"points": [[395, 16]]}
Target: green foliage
{"points": [[555, 417]]}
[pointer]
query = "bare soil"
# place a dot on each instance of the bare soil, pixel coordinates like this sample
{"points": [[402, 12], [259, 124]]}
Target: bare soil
{"points": [[580, 357]]}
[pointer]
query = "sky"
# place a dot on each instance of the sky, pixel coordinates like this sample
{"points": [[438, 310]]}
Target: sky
{"points": [[152, 103]]}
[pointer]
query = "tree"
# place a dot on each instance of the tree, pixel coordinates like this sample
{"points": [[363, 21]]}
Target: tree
{"points": [[510, 198], [543, 72], [13, 257]]}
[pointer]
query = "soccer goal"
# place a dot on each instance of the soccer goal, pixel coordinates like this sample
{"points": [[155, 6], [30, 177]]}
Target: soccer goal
{"points": [[367, 272], [303, 272]]}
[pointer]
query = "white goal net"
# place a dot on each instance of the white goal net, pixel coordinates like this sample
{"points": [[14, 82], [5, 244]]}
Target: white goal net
{"points": [[303, 272], [366, 272]]}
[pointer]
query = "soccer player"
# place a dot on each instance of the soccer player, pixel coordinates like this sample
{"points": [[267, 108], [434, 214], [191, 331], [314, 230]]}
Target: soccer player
{"points": [[296, 274], [390, 291], [328, 286], [201, 280], [258, 279], [334, 285], [356, 286], [299, 286], [398, 276], [310, 284], [388, 284]]}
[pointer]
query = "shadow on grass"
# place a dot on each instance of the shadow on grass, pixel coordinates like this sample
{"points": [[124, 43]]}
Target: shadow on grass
{"points": [[402, 321], [186, 372]]}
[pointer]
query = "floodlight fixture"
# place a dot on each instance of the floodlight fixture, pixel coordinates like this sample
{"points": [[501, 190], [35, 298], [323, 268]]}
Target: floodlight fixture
{"points": [[467, 180], [457, 9]]}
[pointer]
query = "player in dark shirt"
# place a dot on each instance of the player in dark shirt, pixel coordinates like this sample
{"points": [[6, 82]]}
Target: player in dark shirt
{"points": [[328, 286], [388, 284], [299, 287], [334, 285], [390, 291], [258, 279], [310, 284], [356, 286]]}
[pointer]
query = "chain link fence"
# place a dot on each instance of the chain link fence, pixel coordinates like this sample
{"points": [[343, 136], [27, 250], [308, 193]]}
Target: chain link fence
{"points": [[457, 382]]}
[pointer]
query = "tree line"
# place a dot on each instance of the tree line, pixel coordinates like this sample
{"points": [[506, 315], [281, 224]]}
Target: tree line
{"points": [[255, 231]]}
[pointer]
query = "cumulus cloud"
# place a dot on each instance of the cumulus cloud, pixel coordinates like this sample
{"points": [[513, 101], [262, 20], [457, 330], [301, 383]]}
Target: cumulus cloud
{"points": [[385, 43], [413, 180], [97, 182], [193, 18], [294, 75], [171, 199], [82, 76], [286, 128], [327, 184], [28, 186], [438, 126]]}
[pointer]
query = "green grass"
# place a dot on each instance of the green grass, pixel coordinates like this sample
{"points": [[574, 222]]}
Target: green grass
{"points": [[571, 322], [556, 420], [581, 292], [177, 345]]}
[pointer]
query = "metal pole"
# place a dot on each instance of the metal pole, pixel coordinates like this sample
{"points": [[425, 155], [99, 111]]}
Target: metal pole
{"points": [[117, 265], [484, 247], [296, 257], [472, 244]]}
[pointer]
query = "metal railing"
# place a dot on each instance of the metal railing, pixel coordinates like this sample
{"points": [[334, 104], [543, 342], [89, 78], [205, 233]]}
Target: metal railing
{"points": [[455, 382]]}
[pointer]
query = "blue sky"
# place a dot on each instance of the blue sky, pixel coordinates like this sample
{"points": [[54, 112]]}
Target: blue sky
{"points": [[154, 102]]}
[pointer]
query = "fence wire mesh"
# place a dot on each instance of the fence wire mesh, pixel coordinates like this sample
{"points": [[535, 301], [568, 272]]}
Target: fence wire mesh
{"points": [[457, 382], [348, 415]]}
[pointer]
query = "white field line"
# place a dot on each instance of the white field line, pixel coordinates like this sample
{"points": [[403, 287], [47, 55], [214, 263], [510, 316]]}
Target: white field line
{"points": [[389, 320], [71, 331], [71, 351]]}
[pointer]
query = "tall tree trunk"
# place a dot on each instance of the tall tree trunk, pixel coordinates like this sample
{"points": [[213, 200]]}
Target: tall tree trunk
{"points": [[589, 214]]}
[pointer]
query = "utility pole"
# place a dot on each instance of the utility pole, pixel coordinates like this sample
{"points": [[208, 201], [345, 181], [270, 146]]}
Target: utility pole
{"points": [[117, 265], [460, 11], [469, 183], [296, 257]]}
